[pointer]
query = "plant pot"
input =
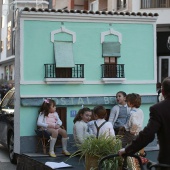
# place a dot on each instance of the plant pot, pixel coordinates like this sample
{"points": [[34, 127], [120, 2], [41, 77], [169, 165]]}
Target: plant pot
{"points": [[91, 162]]}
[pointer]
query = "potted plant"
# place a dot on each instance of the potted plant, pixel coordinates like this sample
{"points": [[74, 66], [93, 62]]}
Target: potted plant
{"points": [[93, 149]]}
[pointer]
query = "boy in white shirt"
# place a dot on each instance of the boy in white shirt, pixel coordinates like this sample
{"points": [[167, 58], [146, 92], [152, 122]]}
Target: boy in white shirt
{"points": [[101, 126], [135, 120]]}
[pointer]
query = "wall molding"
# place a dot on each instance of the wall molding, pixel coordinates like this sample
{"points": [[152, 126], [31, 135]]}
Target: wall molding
{"points": [[111, 31], [86, 18], [91, 82], [63, 30], [79, 101]]}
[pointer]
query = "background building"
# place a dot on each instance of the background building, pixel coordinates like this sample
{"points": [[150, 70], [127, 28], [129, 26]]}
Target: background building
{"points": [[162, 7], [9, 10]]}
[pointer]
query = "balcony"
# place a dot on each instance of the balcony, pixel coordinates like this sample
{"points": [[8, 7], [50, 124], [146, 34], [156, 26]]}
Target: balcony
{"points": [[55, 75], [113, 73], [155, 4]]}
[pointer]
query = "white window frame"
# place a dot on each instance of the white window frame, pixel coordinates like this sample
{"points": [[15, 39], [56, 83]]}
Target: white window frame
{"points": [[94, 6]]}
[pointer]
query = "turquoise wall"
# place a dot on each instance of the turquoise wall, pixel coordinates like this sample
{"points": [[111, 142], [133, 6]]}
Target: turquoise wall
{"points": [[29, 117], [85, 89], [136, 53], [137, 47]]}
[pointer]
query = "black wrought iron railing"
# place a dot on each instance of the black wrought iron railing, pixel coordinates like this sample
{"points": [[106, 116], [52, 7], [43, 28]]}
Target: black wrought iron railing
{"points": [[155, 4], [113, 71], [75, 72]]}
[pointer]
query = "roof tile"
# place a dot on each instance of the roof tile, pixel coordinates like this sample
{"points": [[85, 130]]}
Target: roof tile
{"points": [[91, 12]]}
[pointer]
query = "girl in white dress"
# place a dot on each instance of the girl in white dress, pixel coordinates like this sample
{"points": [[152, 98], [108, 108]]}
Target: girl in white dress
{"points": [[49, 120], [80, 128]]}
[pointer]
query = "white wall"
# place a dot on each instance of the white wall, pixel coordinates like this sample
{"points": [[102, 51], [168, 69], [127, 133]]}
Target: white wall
{"points": [[4, 30], [61, 4], [164, 13]]}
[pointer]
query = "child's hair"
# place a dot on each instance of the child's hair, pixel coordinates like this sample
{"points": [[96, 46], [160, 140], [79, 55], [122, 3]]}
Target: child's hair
{"points": [[100, 111], [122, 92], [93, 116], [45, 107], [81, 112], [134, 99]]}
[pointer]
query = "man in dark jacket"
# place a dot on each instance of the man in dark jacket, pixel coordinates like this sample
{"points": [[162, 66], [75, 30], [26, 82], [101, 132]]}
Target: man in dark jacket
{"points": [[159, 123]]}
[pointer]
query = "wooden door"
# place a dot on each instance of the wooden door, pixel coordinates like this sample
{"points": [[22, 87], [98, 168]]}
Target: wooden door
{"points": [[62, 112], [110, 69], [63, 72]]}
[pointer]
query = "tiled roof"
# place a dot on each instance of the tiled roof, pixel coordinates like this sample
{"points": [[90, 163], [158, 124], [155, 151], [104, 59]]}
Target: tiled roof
{"points": [[91, 12]]}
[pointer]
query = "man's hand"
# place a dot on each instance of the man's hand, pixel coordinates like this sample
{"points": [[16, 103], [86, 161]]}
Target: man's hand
{"points": [[121, 151]]}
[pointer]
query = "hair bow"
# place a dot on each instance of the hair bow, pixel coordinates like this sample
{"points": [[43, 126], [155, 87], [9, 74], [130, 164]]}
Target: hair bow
{"points": [[46, 100]]}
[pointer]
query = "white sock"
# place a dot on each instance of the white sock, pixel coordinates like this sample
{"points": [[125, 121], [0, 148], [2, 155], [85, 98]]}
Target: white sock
{"points": [[52, 143], [64, 143]]}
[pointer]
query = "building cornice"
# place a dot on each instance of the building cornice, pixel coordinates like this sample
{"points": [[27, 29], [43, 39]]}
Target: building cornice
{"points": [[87, 16]]}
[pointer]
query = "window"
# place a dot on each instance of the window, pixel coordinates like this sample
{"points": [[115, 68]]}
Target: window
{"points": [[9, 36], [103, 4], [79, 4], [64, 72], [111, 49], [64, 59], [110, 60], [155, 4], [121, 4], [6, 72], [11, 72], [111, 71], [2, 46], [2, 24], [110, 67], [164, 65], [93, 6]]}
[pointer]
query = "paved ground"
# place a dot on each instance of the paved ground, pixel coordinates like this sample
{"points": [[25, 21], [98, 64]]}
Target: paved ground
{"points": [[4, 160], [76, 163]]}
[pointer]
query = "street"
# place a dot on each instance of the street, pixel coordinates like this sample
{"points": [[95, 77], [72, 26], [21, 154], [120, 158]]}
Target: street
{"points": [[4, 160]]}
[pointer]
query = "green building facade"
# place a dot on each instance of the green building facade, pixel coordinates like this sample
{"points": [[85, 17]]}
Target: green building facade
{"points": [[80, 60]]}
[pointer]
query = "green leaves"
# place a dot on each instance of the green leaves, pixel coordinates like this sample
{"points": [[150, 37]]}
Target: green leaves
{"points": [[99, 148]]}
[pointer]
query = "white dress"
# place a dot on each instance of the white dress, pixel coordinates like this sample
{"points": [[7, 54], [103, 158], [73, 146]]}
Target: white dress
{"points": [[80, 131]]}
